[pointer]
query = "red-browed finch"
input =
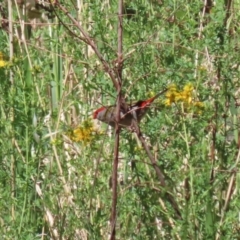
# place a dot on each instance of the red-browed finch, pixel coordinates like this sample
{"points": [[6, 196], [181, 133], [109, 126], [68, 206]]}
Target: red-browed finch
{"points": [[137, 111]]}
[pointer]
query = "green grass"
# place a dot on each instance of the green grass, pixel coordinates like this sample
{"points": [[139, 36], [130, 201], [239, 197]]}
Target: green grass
{"points": [[54, 188]]}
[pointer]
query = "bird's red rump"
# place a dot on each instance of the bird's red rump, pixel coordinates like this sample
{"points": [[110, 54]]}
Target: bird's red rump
{"points": [[147, 102], [95, 114]]}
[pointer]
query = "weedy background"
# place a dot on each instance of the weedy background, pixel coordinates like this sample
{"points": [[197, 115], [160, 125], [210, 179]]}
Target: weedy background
{"points": [[56, 164]]}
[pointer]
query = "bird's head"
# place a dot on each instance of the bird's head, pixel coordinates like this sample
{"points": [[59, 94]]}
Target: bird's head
{"points": [[96, 112]]}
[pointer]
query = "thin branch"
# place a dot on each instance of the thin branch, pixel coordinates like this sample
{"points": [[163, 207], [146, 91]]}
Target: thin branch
{"points": [[117, 128], [199, 36], [160, 175], [120, 39], [13, 163], [90, 42], [115, 171], [228, 5], [230, 190]]}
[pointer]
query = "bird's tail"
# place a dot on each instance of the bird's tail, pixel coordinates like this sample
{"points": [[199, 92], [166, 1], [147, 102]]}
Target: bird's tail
{"points": [[150, 100], [159, 94]]}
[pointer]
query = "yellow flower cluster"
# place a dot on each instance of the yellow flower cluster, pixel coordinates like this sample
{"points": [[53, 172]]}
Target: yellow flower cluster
{"points": [[83, 133], [185, 96], [3, 63]]}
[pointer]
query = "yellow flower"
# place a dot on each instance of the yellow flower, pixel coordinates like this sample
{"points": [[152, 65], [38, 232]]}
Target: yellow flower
{"points": [[3, 63], [198, 107], [171, 95], [185, 96], [56, 142], [138, 149], [84, 133], [151, 94], [172, 88], [188, 88]]}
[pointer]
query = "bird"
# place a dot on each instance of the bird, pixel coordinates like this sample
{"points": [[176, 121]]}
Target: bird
{"points": [[107, 114]]}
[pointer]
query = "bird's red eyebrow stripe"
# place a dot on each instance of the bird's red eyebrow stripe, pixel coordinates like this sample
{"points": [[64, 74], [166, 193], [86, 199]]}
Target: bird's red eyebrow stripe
{"points": [[95, 113]]}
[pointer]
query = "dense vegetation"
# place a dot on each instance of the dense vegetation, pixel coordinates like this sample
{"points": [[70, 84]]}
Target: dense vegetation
{"points": [[59, 62]]}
